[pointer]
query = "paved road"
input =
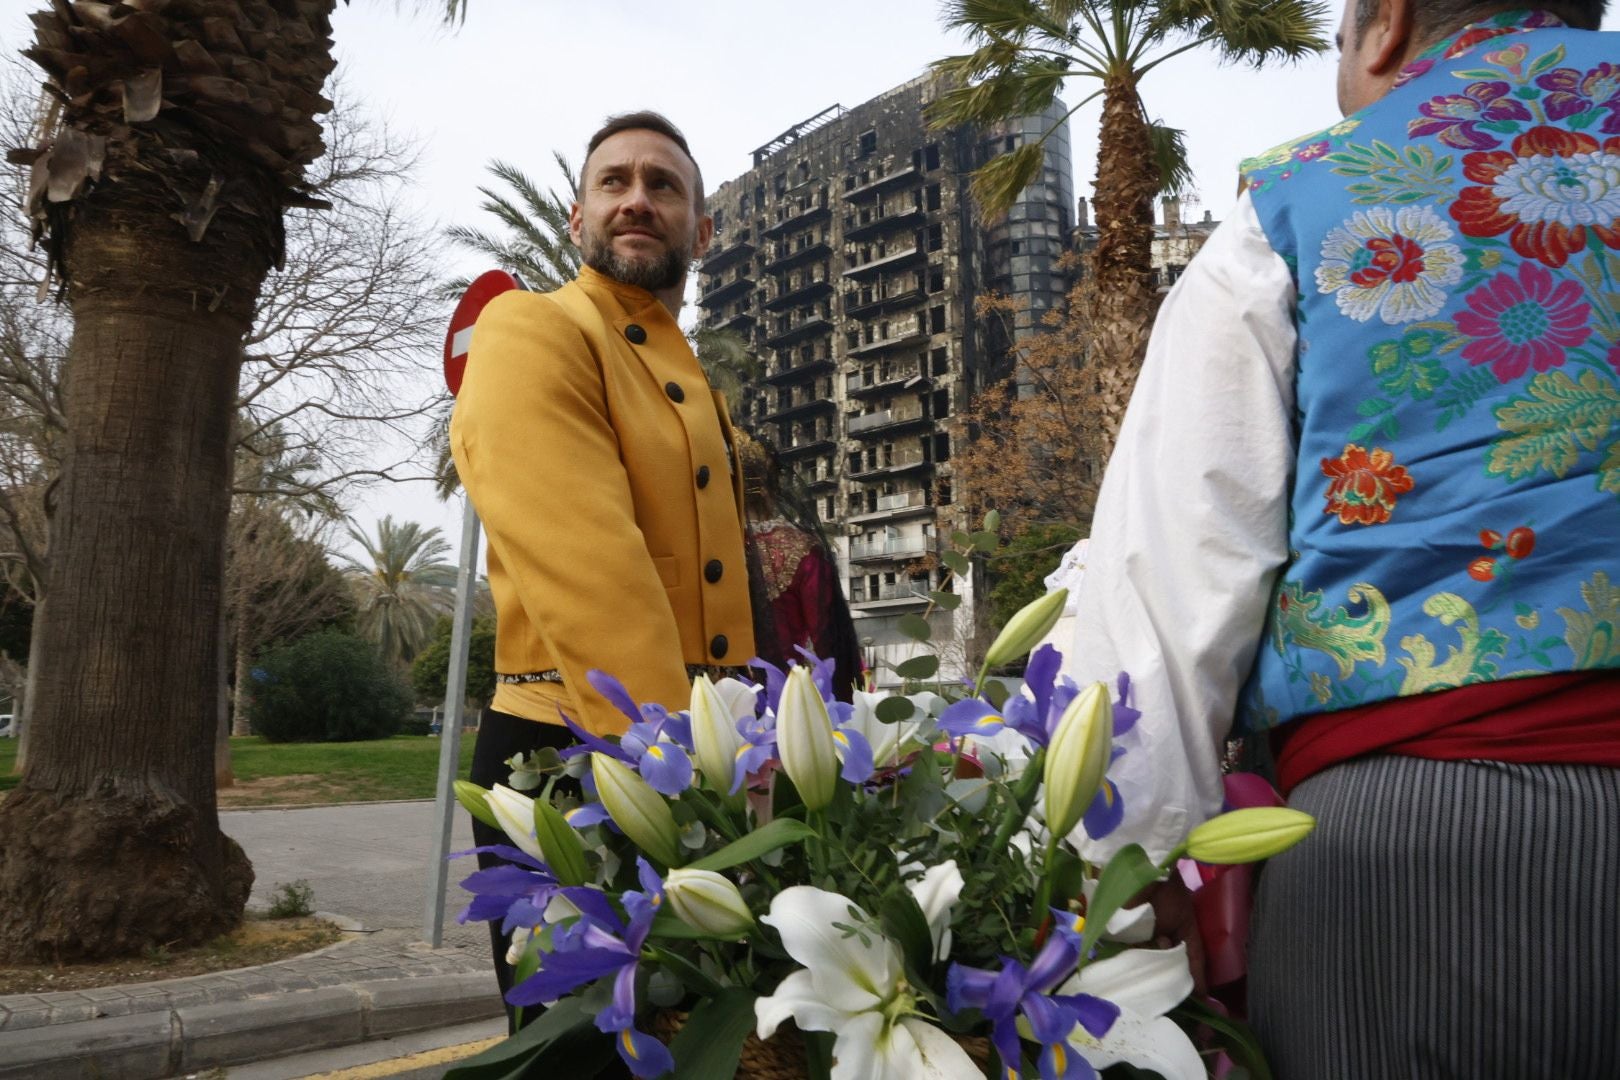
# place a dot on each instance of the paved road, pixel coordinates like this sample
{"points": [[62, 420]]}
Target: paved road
{"points": [[368, 862]]}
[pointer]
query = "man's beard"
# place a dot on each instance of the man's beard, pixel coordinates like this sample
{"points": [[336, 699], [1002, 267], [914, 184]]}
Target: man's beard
{"points": [[651, 272]]}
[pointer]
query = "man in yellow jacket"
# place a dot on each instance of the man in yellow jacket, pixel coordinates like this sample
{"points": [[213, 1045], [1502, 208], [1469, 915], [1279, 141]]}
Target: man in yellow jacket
{"points": [[600, 462]]}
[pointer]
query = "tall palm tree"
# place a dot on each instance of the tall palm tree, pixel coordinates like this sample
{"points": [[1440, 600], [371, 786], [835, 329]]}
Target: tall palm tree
{"points": [[172, 142], [402, 586], [1023, 53], [534, 243]]}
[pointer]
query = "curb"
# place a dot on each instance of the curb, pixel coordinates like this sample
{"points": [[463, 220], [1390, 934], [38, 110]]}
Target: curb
{"points": [[154, 1045]]}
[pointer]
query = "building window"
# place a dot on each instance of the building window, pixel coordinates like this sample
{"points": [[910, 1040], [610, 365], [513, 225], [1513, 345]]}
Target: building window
{"points": [[933, 196], [936, 318], [868, 143], [942, 447], [936, 237], [931, 156], [936, 279], [941, 361]]}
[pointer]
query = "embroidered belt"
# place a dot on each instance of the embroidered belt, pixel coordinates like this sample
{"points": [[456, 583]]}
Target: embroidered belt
{"points": [[552, 675]]}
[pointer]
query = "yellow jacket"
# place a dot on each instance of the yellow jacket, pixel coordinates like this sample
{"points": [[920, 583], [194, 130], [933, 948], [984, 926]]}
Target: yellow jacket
{"points": [[598, 458]]}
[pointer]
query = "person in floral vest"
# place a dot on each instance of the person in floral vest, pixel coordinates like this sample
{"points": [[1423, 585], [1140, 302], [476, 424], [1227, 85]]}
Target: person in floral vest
{"points": [[1367, 500]]}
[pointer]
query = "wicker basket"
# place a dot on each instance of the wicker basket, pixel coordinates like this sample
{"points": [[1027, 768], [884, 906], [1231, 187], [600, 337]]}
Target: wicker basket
{"points": [[781, 1057]]}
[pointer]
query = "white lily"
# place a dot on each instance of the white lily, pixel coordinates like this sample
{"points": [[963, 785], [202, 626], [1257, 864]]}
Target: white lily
{"points": [[515, 812], [853, 984], [936, 893], [715, 740], [1145, 984]]}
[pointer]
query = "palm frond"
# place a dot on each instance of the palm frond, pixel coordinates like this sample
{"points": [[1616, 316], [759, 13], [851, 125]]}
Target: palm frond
{"points": [[984, 20], [1025, 87], [1170, 156], [997, 183], [1252, 32]]}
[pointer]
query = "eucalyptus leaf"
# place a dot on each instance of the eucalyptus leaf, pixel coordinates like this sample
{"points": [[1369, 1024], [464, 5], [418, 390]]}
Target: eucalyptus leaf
{"points": [[711, 1042], [915, 627], [778, 834], [957, 562], [945, 601], [893, 710], [918, 667], [992, 521], [985, 541], [996, 692]]}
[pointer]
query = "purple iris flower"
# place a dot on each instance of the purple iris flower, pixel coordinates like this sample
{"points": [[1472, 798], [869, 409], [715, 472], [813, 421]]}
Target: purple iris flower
{"points": [[1033, 717], [1002, 995], [516, 892], [854, 751], [665, 763], [598, 945]]}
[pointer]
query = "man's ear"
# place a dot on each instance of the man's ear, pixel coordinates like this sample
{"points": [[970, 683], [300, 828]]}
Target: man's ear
{"points": [[1388, 40], [705, 236], [576, 218]]}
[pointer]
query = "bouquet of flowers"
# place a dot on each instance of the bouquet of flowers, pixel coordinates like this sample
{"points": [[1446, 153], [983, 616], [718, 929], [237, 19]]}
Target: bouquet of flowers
{"points": [[900, 877]]}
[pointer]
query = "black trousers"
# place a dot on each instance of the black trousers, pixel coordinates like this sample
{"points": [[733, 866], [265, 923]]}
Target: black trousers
{"points": [[501, 735]]}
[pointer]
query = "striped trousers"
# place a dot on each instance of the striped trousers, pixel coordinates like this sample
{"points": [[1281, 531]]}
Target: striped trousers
{"points": [[1445, 920]]}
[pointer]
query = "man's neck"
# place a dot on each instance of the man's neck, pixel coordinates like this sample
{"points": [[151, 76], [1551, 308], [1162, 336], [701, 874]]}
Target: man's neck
{"points": [[673, 297]]}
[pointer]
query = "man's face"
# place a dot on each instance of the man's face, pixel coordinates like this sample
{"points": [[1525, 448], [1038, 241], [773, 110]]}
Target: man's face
{"points": [[635, 219]]}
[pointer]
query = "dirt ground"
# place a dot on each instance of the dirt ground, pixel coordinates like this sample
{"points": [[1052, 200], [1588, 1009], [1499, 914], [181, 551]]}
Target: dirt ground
{"points": [[296, 790], [258, 941]]}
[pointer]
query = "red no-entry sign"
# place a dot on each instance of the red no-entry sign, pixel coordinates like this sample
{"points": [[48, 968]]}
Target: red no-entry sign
{"points": [[486, 287]]}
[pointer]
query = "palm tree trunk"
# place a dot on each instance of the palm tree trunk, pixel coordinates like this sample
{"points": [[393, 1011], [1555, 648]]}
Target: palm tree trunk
{"points": [[1124, 301], [111, 843]]}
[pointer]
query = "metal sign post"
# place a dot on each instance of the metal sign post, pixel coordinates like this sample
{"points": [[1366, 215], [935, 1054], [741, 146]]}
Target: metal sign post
{"points": [[455, 703], [457, 341]]}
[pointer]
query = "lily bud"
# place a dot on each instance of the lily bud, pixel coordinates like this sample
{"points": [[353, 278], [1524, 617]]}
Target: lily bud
{"points": [[804, 740], [639, 811], [715, 740], [515, 813], [708, 903], [1027, 628], [1244, 836], [1078, 758]]}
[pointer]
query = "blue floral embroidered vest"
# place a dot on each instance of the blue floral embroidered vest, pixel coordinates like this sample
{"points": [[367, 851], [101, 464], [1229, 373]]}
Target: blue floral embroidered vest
{"points": [[1455, 516]]}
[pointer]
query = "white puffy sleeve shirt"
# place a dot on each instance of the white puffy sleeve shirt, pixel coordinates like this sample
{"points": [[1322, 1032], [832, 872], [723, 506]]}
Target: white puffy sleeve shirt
{"points": [[1190, 528]]}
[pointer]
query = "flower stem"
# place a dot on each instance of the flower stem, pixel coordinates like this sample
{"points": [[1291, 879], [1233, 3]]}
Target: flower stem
{"points": [[1022, 794]]}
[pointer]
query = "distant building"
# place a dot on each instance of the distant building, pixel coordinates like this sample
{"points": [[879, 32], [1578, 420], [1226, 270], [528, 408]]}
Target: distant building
{"points": [[850, 257]]}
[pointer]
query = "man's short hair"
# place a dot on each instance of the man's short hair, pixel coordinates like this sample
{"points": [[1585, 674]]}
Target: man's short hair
{"points": [[1434, 19], [647, 120]]}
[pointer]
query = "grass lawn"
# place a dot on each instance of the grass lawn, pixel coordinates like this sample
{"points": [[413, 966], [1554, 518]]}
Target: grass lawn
{"points": [[285, 774]]}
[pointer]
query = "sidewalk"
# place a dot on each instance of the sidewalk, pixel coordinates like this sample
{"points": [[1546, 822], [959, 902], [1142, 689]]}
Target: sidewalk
{"points": [[367, 867]]}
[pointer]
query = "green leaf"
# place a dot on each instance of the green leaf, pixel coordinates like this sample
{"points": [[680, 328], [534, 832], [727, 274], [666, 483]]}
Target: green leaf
{"points": [[561, 844], [514, 1055], [1609, 471], [985, 541], [711, 1042], [1127, 873], [918, 667], [474, 800], [1545, 61], [996, 692], [893, 710], [778, 834], [915, 627], [992, 521], [1240, 1040], [692, 977], [956, 561], [818, 1055], [960, 539], [905, 924], [945, 601]]}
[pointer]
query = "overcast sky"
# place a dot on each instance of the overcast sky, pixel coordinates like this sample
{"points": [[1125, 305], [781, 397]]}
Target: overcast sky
{"points": [[523, 77]]}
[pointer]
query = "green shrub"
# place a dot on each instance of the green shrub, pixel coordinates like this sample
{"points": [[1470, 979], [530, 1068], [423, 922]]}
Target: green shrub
{"points": [[292, 900], [431, 668], [326, 687]]}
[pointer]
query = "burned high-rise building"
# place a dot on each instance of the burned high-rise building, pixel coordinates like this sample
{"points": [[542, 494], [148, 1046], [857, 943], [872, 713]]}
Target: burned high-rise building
{"points": [[849, 258]]}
